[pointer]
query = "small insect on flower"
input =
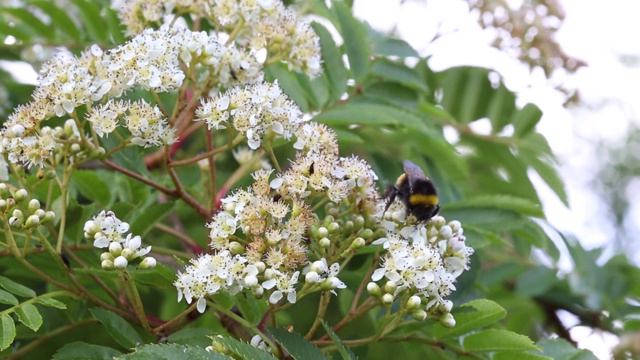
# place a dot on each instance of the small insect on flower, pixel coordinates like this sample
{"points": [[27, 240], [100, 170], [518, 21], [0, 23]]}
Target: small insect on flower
{"points": [[416, 191]]}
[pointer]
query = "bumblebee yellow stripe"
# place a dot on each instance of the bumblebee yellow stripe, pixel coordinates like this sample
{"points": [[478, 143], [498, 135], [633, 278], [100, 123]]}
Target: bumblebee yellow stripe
{"points": [[401, 179], [423, 199]]}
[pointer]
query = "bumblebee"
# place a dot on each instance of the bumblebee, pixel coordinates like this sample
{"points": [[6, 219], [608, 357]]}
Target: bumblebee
{"points": [[416, 191]]}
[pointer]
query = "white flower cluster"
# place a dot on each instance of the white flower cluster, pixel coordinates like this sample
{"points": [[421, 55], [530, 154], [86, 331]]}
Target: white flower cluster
{"points": [[262, 231], [255, 111], [422, 260], [258, 24], [107, 231], [151, 61]]}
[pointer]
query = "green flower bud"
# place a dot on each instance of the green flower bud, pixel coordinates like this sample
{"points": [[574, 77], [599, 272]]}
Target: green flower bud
{"points": [[374, 289], [128, 254], [15, 222], [120, 263], [39, 213], [323, 231], [32, 222], [106, 256], [390, 286], [34, 204], [3, 205], [358, 243], [4, 191], [236, 248], [359, 222], [107, 264], [115, 249], [387, 299], [333, 227], [148, 263], [328, 220], [447, 320], [414, 302], [324, 242], [419, 315], [366, 233], [348, 225], [18, 213], [75, 148], [20, 195]]}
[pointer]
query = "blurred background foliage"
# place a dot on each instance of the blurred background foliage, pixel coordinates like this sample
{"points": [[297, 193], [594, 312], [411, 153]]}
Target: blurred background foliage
{"points": [[387, 105]]}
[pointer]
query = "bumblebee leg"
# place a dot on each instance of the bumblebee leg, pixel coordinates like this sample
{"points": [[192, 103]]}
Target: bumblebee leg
{"points": [[390, 195], [436, 211]]}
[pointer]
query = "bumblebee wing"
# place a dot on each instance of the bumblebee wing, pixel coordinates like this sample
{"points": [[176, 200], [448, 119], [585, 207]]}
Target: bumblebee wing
{"points": [[413, 172]]}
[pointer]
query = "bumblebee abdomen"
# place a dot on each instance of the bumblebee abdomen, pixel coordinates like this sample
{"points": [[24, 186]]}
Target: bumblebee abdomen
{"points": [[423, 199]]}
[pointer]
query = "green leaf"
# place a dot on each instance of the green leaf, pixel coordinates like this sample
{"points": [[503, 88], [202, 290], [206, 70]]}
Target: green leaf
{"points": [[548, 173], [51, 302], [504, 202], [59, 17], [369, 114], [489, 218], [119, 329], [172, 352], [332, 62], [342, 349], [526, 119], [27, 18], [296, 345], [393, 47], [7, 331], [536, 281], [150, 216], [15, 288], [78, 350], [8, 298], [355, 41], [192, 336], [29, 315], [91, 186], [497, 340], [399, 73], [93, 23], [471, 316], [243, 350], [520, 355], [560, 349]]}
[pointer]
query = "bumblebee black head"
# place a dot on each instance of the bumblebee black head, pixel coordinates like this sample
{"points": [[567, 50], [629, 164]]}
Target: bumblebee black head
{"points": [[416, 192]]}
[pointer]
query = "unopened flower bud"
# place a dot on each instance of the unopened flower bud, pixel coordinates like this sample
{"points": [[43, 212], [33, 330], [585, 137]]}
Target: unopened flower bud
{"points": [[366, 233], [3, 205], [106, 256], [333, 227], [348, 225], [15, 222], [324, 242], [11, 202], [236, 248], [447, 305], [257, 291], [18, 213], [323, 231], [107, 264], [32, 221], [34, 205], [413, 302], [128, 254], [20, 195], [4, 191], [48, 216], [75, 148], [359, 222], [40, 213], [120, 263], [446, 232], [455, 225], [390, 286], [318, 266], [260, 265], [115, 248], [358, 243], [269, 274], [387, 299], [419, 315], [17, 130], [312, 277], [148, 263], [437, 221], [374, 289], [250, 281], [447, 320]]}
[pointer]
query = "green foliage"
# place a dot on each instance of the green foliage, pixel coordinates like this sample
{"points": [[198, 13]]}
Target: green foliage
{"points": [[383, 110]]}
